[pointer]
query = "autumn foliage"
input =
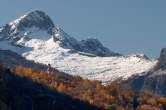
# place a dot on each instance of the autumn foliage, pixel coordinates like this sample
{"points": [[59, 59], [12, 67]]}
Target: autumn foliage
{"points": [[110, 97]]}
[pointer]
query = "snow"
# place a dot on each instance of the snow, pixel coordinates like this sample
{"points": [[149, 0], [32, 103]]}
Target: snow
{"points": [[35, 33], [32, 15], [94, 68], [36, 44]]}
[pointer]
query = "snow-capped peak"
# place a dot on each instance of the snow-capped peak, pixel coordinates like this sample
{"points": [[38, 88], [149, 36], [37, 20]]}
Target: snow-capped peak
{"points": [[31, 22], [36, 38], [32, 19]]}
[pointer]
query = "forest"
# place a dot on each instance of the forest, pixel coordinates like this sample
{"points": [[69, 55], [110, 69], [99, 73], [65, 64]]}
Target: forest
{"points": [[31, 89]]}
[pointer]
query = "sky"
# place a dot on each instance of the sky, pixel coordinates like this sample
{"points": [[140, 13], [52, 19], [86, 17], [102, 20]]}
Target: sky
{"points": [[124, 26]]}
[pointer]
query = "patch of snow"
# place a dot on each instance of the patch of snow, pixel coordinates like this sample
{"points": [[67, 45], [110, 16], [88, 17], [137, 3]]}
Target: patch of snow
{"points": [[33, 15], [36, 33], [14, 23], [32, 33]]}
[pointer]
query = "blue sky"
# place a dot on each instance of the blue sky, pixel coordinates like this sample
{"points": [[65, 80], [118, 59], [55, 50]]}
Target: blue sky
{"points": [[124, 26]]}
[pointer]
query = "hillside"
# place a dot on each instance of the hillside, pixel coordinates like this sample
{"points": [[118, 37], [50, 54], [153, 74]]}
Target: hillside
{"points": [[21, 93], [26, 89], [154, 81], [13, 60]]}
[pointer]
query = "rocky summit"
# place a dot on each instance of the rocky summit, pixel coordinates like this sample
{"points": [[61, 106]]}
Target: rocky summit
{"points": [[35, 18], [30, 22]]}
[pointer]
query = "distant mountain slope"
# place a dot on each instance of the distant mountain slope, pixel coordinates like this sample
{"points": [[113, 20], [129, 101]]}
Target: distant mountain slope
{"points": [[35, 37], [154, 81]]}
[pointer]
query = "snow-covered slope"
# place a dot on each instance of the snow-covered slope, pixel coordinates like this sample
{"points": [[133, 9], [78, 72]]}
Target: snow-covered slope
{"points": [[51, 45]]}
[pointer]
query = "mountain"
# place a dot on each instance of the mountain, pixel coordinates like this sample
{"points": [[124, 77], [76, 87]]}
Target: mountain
{"points": [[35, 37], [154, 81], [38, 25]]}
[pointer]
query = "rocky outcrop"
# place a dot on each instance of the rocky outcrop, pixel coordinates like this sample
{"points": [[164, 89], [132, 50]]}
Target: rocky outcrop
{"points": [[162, 60], [155, 84], [91, 45]]}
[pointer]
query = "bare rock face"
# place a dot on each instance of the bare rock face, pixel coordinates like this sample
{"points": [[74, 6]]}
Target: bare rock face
{"points": [[35, 18], [155, 84], [94, 46], [91, 45], [162, 60]]}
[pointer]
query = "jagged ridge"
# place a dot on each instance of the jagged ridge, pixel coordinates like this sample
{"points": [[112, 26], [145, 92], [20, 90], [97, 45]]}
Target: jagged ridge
{"points": [[66, 53], [37, 24]]}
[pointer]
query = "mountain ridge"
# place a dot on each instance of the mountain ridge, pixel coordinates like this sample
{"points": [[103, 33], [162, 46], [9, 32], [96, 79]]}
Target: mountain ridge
{"points": [[87, 58]]}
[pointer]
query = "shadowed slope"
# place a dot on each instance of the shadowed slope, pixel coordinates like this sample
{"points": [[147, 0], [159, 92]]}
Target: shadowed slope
{"points": [[18, 93]]}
